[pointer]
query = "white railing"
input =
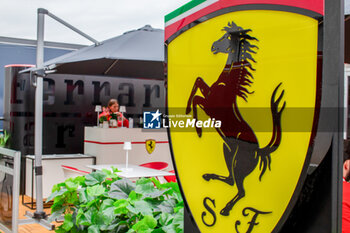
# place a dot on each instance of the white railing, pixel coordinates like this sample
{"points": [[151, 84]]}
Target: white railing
{"points": [[10, 163]]}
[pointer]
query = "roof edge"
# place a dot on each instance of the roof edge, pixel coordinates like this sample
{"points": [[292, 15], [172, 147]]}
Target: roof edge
{"points": [[47, 44]]}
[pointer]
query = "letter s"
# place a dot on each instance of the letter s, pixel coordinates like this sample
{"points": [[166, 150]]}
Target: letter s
{"points": [[210, 210]]}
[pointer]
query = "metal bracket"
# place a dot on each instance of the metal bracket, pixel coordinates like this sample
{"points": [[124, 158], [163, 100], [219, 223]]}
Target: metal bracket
{"points": [[36, 73], [32, 79], [38, 171], [40, 72]]}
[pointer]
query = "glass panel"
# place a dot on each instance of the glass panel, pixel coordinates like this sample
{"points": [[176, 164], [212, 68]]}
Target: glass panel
{"points": [[6, 192]]}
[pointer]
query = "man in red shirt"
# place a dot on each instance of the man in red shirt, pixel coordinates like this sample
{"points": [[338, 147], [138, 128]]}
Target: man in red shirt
{"points": [[346, 189]]}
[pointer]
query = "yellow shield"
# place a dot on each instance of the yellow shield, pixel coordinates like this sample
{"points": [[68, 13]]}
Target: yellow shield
{"points": [[150, 145], [242, 176]]}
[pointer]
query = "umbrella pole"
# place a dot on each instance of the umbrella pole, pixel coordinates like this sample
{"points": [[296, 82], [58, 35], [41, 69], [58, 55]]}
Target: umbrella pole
{"points": [[39, 117], [39, 216]]}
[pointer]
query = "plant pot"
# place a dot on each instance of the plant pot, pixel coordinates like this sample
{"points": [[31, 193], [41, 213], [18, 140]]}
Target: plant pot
{"points": [[105, 125], [113, 123]]}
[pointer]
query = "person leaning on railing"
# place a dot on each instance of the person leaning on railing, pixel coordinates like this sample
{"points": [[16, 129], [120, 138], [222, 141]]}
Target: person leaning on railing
{"points": [[113, 108]]}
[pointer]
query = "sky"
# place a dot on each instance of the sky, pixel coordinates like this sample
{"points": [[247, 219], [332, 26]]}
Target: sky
{"points": [[100, 19]]}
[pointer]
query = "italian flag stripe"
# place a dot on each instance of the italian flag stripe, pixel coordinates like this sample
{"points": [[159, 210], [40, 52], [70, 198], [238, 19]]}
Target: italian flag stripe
{"points": [[196, 9], [186, 10]]}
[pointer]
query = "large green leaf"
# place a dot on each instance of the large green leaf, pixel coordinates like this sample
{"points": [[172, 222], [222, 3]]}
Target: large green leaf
{"points": [[143, 181], [86, 218], [172, 190], [141, 207], [174, 186], [80, 180], [107, 171], [133, 196], [56, 214], [76, 230], [147, 189], [109, 227], [121, 189], [165, 219], [166, 206], [68, 223], [56, 193], [179, 221], [144, 187], [95, 178], [71, 185], [147, 224], [71, 197], [94, 201], [83, 197], [131, 231], [121, 206], [158, 230], [94, 229], [156, 182], [58, 204], [97, 218], [121, 226], [95, 190], [154, 194], [55, 188], [106, 204], [80, 214], [169, 229], [179, 206], [108, 215], [60, 230]]}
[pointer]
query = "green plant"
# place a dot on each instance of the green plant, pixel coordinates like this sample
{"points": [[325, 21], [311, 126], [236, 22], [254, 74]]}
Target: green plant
{"points": [[4, 137], [103, 118], [114, 116], [103, 202]]}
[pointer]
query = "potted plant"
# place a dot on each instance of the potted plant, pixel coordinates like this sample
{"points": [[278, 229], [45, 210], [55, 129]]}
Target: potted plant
{"points": [[114, 120], [103, 119], [114, 116], [103, 202]]}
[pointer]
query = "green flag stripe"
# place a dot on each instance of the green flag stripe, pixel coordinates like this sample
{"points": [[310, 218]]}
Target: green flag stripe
{"points": [[187, 12], [183, 9]]}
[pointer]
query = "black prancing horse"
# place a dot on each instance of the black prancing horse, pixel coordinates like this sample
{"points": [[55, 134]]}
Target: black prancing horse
{"points": [[241, 148]]}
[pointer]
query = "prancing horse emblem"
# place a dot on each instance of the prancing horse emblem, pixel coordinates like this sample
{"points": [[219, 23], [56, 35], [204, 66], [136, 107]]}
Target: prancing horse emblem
{"points": [[241, 148], [150, 145]]}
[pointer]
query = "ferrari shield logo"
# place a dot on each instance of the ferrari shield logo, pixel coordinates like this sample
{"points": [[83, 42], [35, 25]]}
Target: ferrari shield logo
{"points": [[255, 71], [150, 145]]}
